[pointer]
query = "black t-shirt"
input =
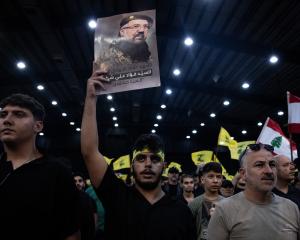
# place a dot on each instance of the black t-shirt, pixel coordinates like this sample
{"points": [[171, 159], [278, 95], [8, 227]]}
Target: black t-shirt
{"points": [[87, 220], [129, 216], [293, 194], [38, 200]]}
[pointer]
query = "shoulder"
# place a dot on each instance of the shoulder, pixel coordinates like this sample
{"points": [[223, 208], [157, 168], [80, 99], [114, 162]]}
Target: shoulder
{"points": [[284, 202], [231, 203]]}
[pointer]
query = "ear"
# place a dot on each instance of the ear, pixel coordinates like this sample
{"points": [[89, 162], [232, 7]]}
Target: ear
{"points": [[122, 33], [38, 126], [202, 180], [242, 172]]}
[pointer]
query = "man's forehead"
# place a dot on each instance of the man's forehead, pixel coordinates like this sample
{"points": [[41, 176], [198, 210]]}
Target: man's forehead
{"points": [[284, 159], [260, 155], [15, 108]]}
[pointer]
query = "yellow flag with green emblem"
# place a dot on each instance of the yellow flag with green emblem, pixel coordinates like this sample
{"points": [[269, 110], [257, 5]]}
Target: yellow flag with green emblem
{"points": [[202, 157], [122, 162], [226, 140]]}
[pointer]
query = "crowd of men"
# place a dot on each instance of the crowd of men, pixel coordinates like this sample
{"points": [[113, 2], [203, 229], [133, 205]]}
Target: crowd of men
{"points": [[39, 198]]}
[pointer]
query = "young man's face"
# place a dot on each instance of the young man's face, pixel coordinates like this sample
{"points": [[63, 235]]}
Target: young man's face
{"points": [[18, 125], [173, 178], [285, 169], [79, 182], [188, 184], [135, 30], [212, 181], [147, 170], [227, 191], [259, 171]]}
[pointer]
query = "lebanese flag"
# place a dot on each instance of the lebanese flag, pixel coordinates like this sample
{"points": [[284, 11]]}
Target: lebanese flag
{"points": [[294, 113], [273, 135]]}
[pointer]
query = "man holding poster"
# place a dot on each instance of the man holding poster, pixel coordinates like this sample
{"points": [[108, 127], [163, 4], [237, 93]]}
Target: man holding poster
{"points": [[140, 212]]}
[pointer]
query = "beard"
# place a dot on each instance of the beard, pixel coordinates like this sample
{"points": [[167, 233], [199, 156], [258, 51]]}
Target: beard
{"points": [[147, 185], [137, 51]]}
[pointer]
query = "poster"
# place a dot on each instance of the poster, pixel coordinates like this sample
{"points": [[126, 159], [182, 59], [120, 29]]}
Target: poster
{"points": [[126, 47]]}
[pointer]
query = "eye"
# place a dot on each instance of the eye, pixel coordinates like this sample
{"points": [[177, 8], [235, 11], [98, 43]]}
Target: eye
{"points": [[272, 164], [140, 158], [260, 165], [155, 159], [19, 114], [3, 114]]}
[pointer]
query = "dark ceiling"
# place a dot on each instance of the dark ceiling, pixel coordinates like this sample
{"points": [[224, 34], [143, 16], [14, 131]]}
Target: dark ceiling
{"points": [[233, 41]]}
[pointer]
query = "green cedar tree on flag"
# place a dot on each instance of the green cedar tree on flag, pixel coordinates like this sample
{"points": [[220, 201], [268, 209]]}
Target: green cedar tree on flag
{"points": [[273, 135]]}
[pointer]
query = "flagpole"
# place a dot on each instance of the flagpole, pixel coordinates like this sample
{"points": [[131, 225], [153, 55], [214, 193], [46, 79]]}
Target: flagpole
{"points": [[290, 135]]}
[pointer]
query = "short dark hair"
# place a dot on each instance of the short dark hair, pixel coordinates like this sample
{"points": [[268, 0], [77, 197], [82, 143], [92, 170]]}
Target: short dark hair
{"points": [[185, 175], [212, 166], [173, 170], [226, 183], [25, 101], [78, 174], [151, 141]]}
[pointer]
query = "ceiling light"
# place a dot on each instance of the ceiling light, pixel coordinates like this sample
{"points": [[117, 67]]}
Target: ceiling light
{"points": [[78, 129], [41, 134], [158, 117], [64, 114], [155, 125], [112, 109], [72, 123], [245, 85], [169, 91], [202, 124], [92, 24], [115, 118], [244, 132], [188, 41], [54, 103], [194, 131], [226, 103], [116, 125], [273, 59], [259, 124], [176, 72], [153, 131], [40, 87], [188, 137], [109, 97], [163, 106], [280, 113], [212, 115], [21, 65]]}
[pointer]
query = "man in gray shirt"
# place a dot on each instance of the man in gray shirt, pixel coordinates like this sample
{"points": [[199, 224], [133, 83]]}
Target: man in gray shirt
{"points": [[256, 213]]}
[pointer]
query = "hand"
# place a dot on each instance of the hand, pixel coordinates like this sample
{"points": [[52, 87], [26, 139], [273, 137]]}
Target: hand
{"points": [[212, 209], [96, 82]]}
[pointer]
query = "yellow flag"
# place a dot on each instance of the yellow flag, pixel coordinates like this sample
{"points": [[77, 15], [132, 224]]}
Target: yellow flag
{"points": [[122, 162], [226, 140], [224, 172], [242, 146], [108, 160], [176, 165], [201, 157], [122, 176]]}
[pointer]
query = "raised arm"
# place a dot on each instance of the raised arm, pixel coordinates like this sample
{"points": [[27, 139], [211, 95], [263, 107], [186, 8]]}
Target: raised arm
{"points": [[94, 161]]}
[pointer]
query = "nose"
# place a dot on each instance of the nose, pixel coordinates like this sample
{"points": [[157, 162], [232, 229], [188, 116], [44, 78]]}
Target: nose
{"points": [[268, 169], [7, 120], [148, 161]]}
